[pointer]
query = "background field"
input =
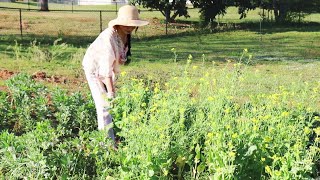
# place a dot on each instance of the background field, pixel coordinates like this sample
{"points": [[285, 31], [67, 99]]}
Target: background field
{"points": [[235, 101]]}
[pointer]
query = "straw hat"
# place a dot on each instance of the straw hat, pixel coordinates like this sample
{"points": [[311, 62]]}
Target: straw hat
{"points": [[128, 16]]}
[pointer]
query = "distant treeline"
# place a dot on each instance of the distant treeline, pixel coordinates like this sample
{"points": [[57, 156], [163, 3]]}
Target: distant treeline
{"points": [[283, 10]]}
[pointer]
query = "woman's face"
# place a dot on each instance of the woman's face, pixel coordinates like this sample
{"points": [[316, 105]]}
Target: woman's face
{"points": [[127, 29]]}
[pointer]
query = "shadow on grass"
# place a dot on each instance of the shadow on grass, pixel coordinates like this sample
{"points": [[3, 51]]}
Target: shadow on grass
{"points": [[266, 28], [270, 27], [195, 42]]}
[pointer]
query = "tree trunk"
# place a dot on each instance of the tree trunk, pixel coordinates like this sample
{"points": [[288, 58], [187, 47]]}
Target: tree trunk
{"points": [[275, 10], [167, 13], [173, 17], [280, 8], [283, 11], [44, 5]]}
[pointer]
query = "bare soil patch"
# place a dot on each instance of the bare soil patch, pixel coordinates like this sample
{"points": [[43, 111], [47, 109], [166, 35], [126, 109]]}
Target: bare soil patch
{"points": [[5, 74], [42, 76]]}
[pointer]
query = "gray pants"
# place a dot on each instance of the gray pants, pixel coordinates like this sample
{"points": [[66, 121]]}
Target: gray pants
{"points": [[99, 94]]}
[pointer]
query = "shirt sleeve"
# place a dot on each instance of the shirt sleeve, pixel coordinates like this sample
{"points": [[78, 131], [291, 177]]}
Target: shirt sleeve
{"points": [[106, 56]]}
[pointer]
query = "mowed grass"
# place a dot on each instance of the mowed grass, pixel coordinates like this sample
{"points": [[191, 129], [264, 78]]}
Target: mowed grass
{"points": [[292, 45]]}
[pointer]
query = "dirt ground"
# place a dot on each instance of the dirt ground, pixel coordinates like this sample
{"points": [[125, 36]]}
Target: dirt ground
{"points": [[41, 77]]}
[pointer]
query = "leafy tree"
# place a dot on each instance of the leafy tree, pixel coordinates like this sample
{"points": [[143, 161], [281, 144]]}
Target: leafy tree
{"points": [[165, 7], [299, 9], [209, 9], [284, 10], [245, 5]]}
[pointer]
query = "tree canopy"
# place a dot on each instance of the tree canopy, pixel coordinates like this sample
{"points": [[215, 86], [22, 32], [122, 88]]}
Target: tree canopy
{"points": [[283, 10], [210, 9], [178, 7]]}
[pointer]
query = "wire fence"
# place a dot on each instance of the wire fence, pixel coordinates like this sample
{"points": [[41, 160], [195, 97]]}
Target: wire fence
{"points": [[56, 22], [72, 20]]}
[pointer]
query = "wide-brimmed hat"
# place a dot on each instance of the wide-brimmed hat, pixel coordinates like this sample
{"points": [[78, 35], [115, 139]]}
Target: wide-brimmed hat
{"points": [[128, 16]]}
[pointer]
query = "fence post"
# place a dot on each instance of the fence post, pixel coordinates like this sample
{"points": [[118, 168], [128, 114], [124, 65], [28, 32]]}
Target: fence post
{"points": [[20, 22], [260, 29], [116, 7], [100, 21], [167, 20]]}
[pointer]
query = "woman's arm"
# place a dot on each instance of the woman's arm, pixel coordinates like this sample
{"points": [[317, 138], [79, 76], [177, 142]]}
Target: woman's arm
{"points": [[110, 87]]}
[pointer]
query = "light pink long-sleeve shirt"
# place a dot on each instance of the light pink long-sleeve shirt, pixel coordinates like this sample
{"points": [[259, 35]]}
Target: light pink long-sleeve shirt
{"points": [[103, 55]]}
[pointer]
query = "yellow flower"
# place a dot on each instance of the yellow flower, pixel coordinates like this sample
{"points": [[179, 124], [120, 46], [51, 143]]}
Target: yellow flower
{"points": [[234, 136], [210, 98], [165, 172], [266, 117], [219, 170], [254, 120], [123, 73], [232, 154], [277, 173], [210, 135], [153, 109], [285, 114], [227, 111], [245, 50], [267, 139], [317, 130], [275, 158], [307, 130], [141, 113], [133, 118], [230, 97], [156, 90], [268, 169]]}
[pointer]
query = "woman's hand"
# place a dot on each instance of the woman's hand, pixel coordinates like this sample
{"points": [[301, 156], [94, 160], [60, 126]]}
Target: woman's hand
{"points": [[111, 95]]}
